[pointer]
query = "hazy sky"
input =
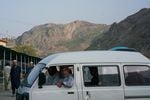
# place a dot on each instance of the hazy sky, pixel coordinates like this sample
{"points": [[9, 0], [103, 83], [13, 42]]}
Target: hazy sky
{"points": [[18, 16]]}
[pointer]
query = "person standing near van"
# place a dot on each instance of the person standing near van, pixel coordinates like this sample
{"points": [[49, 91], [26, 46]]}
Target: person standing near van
{"points": [[7, 69], [30, 67], [15, 74]]}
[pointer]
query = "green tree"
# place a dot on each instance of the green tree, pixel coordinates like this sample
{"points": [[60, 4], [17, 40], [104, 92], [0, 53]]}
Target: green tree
{"points": [[27, 49]]}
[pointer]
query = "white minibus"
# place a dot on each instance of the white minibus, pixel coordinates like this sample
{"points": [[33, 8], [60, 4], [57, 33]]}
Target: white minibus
{"points": [[97, 75]]}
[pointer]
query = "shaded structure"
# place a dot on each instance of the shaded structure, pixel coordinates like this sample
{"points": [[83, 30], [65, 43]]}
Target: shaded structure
{"points": [[3, 42], [7, 55]]}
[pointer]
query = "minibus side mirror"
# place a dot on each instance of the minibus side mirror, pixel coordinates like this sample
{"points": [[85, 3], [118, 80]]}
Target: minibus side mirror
{"points": [[42, 80]]}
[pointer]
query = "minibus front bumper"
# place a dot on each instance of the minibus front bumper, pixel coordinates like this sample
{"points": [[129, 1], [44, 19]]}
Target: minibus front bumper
{"points": [[24, 96]]}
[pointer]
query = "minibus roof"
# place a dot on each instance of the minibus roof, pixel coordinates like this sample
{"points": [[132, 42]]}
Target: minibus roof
{"points": [[95, 57]]}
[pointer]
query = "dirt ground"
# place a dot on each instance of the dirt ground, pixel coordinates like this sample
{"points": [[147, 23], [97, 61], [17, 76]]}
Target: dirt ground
{"points": [[6, 95]]}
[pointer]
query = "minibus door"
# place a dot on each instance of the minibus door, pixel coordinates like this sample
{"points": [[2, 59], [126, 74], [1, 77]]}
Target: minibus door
{"points": [[54, 93], [102, 82]]}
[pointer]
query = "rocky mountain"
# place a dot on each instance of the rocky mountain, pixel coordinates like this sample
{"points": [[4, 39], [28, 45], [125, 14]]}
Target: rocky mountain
{"points": [[52, 38], [134, 32]]}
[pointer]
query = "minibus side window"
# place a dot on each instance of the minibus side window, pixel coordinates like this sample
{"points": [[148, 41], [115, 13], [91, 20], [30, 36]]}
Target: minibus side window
{"points": [[106, 75], [58, 75], [137, 75]]}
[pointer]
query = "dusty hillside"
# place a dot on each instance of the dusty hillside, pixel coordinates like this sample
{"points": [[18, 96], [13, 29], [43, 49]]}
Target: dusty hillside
{"points": [[133, 32], [52, 38]]}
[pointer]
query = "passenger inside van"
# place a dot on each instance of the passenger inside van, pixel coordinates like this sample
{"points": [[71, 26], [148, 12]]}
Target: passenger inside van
{"points": [[94, 73], [53, 76], [67, 79], [91, 77]]}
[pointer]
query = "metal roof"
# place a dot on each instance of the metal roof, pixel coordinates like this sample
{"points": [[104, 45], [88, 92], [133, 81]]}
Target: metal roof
{"points": [[11, 54], [95, 56]]}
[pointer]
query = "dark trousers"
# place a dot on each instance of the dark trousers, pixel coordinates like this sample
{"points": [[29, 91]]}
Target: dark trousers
{"points": [[14, 86], [13, 90]]}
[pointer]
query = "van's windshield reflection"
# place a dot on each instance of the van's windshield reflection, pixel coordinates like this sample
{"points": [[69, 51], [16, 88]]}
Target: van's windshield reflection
{"points": [[29, 79]]}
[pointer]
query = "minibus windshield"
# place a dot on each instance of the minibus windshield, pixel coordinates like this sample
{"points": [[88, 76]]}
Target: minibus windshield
{"points": [[29, 79]]}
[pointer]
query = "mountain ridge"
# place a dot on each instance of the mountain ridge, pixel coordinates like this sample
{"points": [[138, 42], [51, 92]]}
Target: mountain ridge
{"points": [[51, 38], [133, 31]]}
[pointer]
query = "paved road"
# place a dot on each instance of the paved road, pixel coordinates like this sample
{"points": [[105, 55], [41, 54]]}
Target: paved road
{"points": [[6, 95]]}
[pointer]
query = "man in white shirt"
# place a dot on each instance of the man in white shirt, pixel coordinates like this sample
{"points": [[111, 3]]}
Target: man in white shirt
{"points": [[7, 69]]}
